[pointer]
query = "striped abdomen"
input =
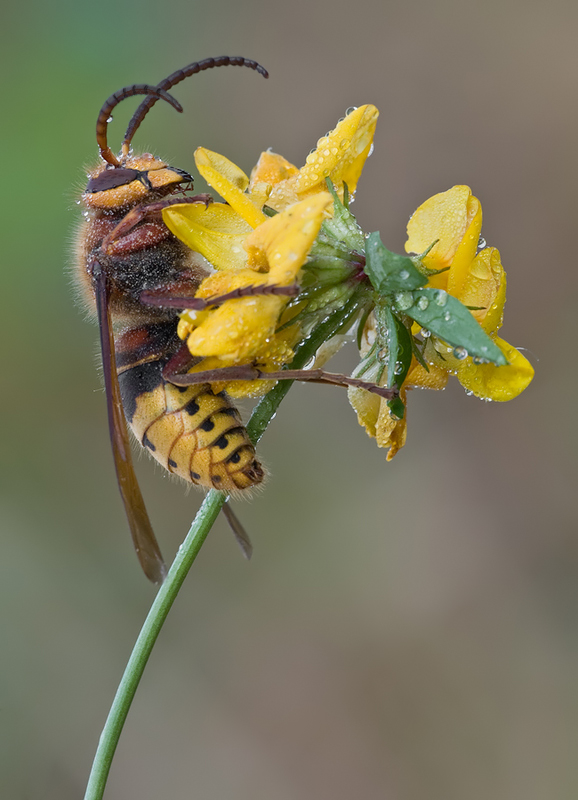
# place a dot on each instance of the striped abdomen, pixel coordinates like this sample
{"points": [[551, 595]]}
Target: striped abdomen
{"points": [[191, 431]]}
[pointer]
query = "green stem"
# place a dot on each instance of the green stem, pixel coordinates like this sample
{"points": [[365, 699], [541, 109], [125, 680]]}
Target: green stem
{"points": [[160, 608], [185, 557]]}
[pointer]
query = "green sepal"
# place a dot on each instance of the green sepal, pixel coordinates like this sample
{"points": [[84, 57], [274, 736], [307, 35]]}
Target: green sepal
{"points": [[397, 407], [395, 339], [449, 320], [387, 271], [418, 354], [343, 226]]}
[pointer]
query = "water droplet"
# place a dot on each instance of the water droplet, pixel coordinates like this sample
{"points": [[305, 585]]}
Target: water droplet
{"points": [[350, 110], [425, 333], [478, 360], [447, 316], [404, 274], [344, 143], [441, 298], [422, 303], [403, 300], [460, 353], [481, 243], [469, 393], [398, 369], [370, 150], [109, 120], [383, 355]]}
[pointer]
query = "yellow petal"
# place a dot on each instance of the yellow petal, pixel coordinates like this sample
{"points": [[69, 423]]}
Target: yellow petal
{"points": [[497, 383], [446, 217], [466, 251], [391, 432], [237, 331], [217, 232], [366, 405], [339, 156], [231, 182], [272, 169], [418, 377], [285, 239], [374, 415], [484, 289]]}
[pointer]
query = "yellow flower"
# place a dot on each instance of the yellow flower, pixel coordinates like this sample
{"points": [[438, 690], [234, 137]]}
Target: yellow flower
{"points": [[243, 330], [454, 219], [373, 412], [249, 248], [219, 231]]}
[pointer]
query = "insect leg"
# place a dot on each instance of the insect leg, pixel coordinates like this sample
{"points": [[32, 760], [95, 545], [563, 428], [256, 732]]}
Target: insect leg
{"points": [[137, 214], [250, 373], [165, 300]]}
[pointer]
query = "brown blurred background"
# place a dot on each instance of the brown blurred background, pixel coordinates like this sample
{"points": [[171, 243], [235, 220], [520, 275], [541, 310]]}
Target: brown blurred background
{"points": [[405, 630]]}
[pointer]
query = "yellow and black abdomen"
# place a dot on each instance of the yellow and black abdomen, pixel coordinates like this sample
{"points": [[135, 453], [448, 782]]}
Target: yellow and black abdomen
{"points": [[191, 431]]}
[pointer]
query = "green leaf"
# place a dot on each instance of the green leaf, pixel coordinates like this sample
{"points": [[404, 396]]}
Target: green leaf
{"points": [[450, 320], [343, 226], [387, 271]]}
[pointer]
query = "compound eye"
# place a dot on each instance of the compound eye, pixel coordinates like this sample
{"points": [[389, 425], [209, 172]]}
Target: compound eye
{"points": [[111, 179]]}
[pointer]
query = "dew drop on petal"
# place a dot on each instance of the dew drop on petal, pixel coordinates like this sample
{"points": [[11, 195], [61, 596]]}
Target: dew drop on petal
{"points": [[481, 243], [344, 143], [425, 333], [350, 110], [460, 353]]}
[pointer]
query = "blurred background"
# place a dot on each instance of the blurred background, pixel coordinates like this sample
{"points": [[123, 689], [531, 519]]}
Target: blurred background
{"points": [[405, 630]]}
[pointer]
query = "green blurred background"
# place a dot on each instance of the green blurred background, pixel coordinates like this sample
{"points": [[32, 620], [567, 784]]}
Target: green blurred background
{"points": [[405, 630]]}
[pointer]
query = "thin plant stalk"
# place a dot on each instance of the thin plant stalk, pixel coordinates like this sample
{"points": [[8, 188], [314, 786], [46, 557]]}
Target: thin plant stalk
{"points": [[187, 553]]}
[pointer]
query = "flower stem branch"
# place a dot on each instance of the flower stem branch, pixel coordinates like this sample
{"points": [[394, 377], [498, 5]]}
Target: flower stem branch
{"points": [[202, 524]]}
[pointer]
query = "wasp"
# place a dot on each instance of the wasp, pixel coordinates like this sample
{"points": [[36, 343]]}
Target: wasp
{"points": [[135, 276], [124, 250]]}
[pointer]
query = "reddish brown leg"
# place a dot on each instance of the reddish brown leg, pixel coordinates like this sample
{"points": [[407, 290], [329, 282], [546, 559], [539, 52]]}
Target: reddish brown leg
{"points": [[251, 373], [111, 245], [166, 299]]}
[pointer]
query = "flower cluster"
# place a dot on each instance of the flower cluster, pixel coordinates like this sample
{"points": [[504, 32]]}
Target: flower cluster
{"points": [[288, 255]]}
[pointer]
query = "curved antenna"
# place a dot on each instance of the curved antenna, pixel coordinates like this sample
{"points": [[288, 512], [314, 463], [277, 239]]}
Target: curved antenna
{"points": [[104, 114], [177, 77]]}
